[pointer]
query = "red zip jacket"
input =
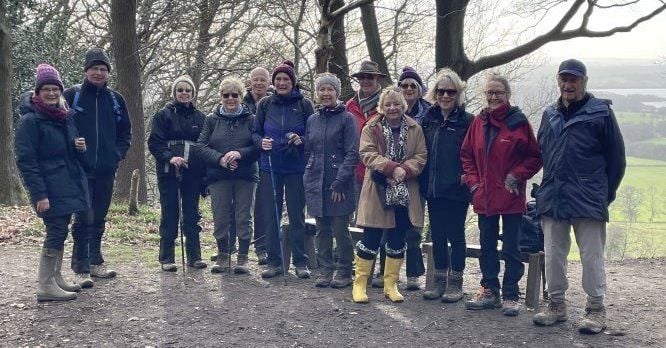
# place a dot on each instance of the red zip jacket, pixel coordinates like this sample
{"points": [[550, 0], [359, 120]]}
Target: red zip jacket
{"points": [[499, 142], [354, 108]]}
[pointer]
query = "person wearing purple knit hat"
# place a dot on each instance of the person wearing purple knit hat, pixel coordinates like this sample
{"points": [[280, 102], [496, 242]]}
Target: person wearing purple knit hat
{"points": [[48, 151], [413, 90], [279, 125]]}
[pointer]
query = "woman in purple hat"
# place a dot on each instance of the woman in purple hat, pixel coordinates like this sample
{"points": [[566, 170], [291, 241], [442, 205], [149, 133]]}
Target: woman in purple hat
{"points": [[48, 152]]}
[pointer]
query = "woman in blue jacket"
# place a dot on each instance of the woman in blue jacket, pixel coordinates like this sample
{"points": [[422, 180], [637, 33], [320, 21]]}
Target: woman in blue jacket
{"points": [[48, 153]]}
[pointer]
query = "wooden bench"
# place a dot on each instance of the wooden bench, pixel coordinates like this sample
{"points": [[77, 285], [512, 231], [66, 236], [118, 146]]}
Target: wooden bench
{"points": [[535, 271]]}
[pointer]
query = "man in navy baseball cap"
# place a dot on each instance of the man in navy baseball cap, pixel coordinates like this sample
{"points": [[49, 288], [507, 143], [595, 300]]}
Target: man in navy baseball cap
{"points": [[573, 67]]}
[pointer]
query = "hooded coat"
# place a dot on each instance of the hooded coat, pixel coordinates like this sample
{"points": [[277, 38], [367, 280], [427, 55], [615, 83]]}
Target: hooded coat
{"points": [[49, 163], [331, 146]]}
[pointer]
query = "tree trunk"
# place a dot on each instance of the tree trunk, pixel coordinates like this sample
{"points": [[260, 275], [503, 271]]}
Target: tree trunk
{"points": [[374, 42], [128, 72], [338, 64], [11, 191], [449, 48]]}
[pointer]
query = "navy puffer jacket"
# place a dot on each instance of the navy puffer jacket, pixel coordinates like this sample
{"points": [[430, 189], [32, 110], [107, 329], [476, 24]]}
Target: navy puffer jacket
{"points": [[49, 163], [584, 162]]}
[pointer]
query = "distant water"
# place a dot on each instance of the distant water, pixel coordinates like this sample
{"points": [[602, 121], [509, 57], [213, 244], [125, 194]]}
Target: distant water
{"points": [[659, 92]]}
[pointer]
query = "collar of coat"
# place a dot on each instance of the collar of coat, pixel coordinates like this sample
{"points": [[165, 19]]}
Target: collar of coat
{"points": [[377, 130], [509, 115]]}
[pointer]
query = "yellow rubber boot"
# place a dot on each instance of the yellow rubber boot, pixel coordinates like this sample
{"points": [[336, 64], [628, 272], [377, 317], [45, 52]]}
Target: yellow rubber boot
{"points": [[363, 269], [391, 275]]}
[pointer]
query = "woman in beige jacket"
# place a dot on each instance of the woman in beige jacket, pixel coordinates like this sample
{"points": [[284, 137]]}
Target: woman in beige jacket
{"points": [[393, 149]]}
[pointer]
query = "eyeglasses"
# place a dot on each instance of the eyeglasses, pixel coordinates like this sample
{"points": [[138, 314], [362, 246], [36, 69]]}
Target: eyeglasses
{"points": [[181, 90], [227, 95], [450, 92], [408, 85], [496, 93], [49, 89]]}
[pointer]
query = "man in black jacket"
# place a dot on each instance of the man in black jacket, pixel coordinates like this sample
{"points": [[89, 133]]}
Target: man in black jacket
{"points": [[584, 162], [102, 118]]}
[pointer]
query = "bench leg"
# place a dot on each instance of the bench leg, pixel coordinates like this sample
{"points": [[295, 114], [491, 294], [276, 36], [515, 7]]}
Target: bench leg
{"points": [[533, 281]]}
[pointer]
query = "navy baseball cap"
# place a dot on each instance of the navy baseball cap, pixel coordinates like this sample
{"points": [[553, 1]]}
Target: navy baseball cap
{"points": [[573, 67]]}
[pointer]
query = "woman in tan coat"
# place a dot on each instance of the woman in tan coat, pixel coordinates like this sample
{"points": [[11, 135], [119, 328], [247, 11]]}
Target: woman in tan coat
{"points": [[393, 149]]}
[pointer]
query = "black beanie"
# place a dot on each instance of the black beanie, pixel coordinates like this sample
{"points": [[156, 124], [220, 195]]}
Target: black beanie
{"points": [[96, 56], [286, 67]]}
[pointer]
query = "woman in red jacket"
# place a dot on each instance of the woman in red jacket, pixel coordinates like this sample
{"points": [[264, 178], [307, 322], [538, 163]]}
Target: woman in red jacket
{"points": [[499, 154]]}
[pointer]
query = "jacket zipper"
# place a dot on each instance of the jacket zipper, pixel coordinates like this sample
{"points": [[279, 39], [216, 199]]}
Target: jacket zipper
{"points": [[433, 171], [96, 128]]}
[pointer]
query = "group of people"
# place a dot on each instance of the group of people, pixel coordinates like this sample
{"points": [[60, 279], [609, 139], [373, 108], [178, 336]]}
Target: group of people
{"points": [[376, 161]]}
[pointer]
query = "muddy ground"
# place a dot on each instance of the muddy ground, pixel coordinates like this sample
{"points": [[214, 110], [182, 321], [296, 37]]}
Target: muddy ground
{"points": [[146, 307]]}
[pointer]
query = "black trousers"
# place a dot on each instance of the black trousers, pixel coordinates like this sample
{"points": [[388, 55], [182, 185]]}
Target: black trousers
{"points": [[395, 238], [88, 227], [447, 225], [56, 231], [189, 188]]}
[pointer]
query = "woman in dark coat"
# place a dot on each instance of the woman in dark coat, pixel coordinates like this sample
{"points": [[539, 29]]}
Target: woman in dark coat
{"points": [[175, 129], [227, 148], [499, 154], [444, 126], [331, 146], [48, 154]]}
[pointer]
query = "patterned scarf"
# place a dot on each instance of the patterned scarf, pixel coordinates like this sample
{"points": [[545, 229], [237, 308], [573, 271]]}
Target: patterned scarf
{"points": [[57, 113], [397, 195], [369, 103]]}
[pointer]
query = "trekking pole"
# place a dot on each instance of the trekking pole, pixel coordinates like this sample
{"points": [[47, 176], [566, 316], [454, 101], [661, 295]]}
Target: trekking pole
{"points": [[277, 219], [180, 218], [229, 245]]}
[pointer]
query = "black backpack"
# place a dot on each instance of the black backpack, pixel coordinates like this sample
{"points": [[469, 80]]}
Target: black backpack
{"points": [[531, 234]]}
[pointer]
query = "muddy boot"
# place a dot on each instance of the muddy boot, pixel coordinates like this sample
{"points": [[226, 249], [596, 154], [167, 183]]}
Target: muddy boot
{"points": [[222, 263], [342, 279], [213, 257], [555, 312], [324, 278], [198, 264], [594, 320], [454, 292], [84, 280], [363, 270], [413, 284], [169, 267], [262, 258], [378, 280], [67, 286], [440, 286], [271, 271], [242, 266], [485, 298], [100, 271], [302, 272], [391, 276], [48, 289]]}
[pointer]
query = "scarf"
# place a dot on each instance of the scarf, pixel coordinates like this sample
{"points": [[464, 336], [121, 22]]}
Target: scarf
{"points": [[397, 195], [369, 103], [53, 112]]}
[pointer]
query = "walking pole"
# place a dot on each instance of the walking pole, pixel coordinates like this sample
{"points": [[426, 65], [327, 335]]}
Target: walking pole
{"points": [[277, 219], [229, 243], [180, 219]]}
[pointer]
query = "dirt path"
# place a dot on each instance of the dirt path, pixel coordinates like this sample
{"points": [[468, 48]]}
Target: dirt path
{"points": [[145, 307]]}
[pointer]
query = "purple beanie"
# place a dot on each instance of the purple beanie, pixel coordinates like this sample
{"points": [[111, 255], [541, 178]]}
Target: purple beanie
{"points": [[45, 74], [286, 67], [409, 73]]}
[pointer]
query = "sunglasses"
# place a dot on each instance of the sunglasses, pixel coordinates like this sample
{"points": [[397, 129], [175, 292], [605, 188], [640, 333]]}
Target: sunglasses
{"points": [[408, 85], [181, 90], [232, 95], [449, 92]]}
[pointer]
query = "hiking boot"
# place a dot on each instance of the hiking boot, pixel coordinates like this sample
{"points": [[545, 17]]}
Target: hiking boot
{"points": [[62, 283], [169, 267], [241, 264], [222, 264], [510, 308], [198, 264], [554, 313], [484, 299], [271, 271], [378, 281], [342, 279], [594, 320], [303, 272], [324, 279], [413, 284], [100, 271], [84, 280], [48, 289], [213, 257], [262, 259], [454, 292], [440, 286]]}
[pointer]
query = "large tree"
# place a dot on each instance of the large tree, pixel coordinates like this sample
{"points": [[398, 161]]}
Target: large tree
{"points": [[128, 76], [10, 186], [451, 16]]}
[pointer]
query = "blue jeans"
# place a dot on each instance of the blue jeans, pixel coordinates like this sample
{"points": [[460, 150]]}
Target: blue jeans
{"points": [[489, 261], [88, 227]]}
